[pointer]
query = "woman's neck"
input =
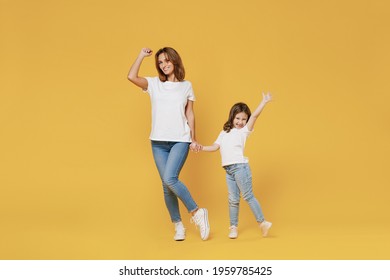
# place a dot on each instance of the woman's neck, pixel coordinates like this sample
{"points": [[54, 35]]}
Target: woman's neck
{"points": [[172, 78]]}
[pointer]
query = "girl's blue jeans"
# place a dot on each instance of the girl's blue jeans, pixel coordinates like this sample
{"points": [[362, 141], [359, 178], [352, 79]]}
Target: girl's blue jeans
{"points": [[239, 181], [170, 158]]}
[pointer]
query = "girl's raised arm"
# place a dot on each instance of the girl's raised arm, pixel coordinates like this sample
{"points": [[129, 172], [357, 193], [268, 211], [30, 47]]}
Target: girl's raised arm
{"points": [[133, 73], [252, 120]]}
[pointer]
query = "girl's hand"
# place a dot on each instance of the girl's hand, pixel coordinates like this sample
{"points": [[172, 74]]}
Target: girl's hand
{"points": [[266, 98], [146, 52]]}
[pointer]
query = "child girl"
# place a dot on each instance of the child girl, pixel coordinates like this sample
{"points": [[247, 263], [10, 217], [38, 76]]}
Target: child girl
{"points": [[231, 142]]}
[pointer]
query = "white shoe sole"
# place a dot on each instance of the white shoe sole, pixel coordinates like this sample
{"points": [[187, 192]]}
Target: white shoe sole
{"points": [[207, 229], [179, 238]]}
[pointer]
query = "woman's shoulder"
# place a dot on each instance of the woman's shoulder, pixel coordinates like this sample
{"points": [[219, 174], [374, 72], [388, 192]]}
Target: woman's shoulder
{"points": [[185, 83], [153, 79]]}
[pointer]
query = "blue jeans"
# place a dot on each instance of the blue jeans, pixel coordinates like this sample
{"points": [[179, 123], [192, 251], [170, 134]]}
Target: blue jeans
{"points": [[170, 158], [239, 180]]}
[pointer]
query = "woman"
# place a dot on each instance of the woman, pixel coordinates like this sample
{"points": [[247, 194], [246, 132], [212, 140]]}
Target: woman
{"points": [[173, 132]]}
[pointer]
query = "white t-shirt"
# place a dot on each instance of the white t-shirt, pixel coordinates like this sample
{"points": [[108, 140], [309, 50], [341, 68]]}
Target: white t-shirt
{"points": [[169, 100], [232, 145]]}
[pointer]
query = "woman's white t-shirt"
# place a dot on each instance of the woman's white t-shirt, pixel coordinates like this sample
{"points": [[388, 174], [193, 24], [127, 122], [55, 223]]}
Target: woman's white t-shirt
{"points": [[169, 100], [232, 144]]}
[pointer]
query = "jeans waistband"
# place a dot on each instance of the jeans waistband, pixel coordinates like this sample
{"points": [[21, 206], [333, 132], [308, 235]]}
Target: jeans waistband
{"points": [[226, 167]]}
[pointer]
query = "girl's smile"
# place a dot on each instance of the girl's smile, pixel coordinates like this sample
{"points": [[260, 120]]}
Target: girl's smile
{"points": [[240, 120]]}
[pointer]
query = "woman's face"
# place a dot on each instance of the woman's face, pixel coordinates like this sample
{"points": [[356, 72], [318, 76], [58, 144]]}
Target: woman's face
{"points": [[240, 120], [165, 64]]}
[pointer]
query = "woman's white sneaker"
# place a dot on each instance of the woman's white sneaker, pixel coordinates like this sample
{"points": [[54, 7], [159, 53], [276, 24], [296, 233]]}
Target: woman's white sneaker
{"points": [[201, 220], [180, 232]]}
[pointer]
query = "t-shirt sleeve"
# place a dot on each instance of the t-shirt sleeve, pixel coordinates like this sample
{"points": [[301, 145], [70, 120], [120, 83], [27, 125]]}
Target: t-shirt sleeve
{"points": [[190, 92], [219, 138], [151, 82], [246, 131]]}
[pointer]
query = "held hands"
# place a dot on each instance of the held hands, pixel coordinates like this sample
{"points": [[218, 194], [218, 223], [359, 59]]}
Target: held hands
{"points": [[146, 52], [195, 147]]}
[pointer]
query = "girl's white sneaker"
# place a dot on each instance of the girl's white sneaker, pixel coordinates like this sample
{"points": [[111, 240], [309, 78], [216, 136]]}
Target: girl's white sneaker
{"points": [[233, 233], [265, 226]]}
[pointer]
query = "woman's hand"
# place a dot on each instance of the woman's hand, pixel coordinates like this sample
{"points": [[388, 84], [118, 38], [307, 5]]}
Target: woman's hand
{"points": [[195, 147], [146, 52]]}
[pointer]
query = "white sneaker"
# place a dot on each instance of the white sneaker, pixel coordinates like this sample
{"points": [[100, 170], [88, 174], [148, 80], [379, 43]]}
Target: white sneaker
{"points": [[265, 226], [201, 219], [233, 233], [180, 232]]}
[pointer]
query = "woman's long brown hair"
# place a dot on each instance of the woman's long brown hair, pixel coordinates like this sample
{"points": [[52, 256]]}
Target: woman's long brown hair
{"points": [[174, 57]]}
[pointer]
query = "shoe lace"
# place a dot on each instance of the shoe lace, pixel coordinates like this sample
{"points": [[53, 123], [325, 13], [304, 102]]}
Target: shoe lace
{"points": [[193, 221], [196, 220], [179, 227], [233, 229]]}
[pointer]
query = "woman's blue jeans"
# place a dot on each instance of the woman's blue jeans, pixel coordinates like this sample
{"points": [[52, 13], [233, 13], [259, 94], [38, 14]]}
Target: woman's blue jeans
{"points": [[239, 180], [170, 158]]}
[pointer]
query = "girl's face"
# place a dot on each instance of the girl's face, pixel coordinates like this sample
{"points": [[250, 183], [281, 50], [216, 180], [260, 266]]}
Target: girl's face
{"points": [[165, 64], [240, 120]]}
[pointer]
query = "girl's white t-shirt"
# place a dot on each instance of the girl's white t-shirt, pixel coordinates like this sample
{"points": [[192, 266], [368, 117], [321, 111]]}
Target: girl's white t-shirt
{"points": [[232, 144], [169, 100]]}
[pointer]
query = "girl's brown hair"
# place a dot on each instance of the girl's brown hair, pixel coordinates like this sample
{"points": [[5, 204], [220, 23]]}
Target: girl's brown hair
{"points": [[236, 109], [174, 57]]}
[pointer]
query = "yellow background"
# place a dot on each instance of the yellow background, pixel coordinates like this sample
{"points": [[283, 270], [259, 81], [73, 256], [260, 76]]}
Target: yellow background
{"points": [[76, 171]]}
